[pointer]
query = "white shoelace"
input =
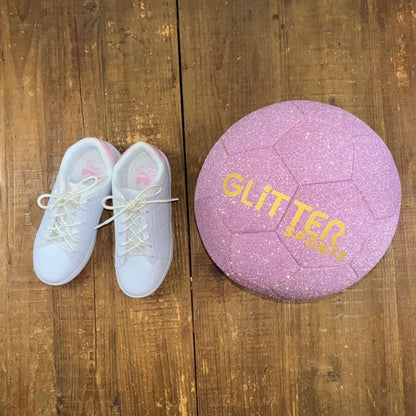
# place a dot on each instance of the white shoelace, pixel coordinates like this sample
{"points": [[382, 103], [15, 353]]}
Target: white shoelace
{"points": [[66, 205], [136, 243]]}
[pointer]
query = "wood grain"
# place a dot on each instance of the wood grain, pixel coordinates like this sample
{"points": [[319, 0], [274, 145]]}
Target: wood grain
{"points": [[342, 354], [108, 70], [50, 344], [129, 83], [397, 25]]}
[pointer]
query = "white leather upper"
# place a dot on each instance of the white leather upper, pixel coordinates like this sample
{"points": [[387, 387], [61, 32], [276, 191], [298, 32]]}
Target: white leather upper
{"points": [[140, 275], [57, 265]]}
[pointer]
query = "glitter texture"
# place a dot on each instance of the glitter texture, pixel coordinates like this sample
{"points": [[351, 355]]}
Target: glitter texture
{"points": [[340, 200], [267, 124], [264, 167], [298, 200]]}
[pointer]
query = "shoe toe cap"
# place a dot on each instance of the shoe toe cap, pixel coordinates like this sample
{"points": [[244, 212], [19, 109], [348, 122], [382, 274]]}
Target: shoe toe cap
{"points": [[138, 278], [53, 266]]}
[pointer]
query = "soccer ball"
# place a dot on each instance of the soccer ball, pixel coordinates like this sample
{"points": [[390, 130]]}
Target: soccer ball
{"points": [[298, 200]]}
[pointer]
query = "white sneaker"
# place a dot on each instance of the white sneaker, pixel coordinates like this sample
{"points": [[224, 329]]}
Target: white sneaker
{"points": [[66, 235], [143, 231]]}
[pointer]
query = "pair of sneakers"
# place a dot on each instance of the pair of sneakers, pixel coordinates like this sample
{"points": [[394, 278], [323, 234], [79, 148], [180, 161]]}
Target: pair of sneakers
{"points": [[140, 182]]}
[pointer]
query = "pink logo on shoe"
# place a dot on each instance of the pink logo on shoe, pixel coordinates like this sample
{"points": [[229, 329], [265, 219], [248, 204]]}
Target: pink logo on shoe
{"points": [[94, 169], [145, 175]]}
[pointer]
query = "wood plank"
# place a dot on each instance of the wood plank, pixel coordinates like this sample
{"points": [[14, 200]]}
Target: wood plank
{"points": [[338, 355], [49, 343], [397, 58], [128, 54]]}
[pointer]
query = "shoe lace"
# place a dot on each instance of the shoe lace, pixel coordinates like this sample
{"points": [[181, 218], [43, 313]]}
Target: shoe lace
{"points": [[136, 242], [63, 210]]}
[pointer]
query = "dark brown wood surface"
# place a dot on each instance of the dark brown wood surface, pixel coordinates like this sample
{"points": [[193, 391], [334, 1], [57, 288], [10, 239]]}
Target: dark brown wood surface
{"points": [[177, 74]]}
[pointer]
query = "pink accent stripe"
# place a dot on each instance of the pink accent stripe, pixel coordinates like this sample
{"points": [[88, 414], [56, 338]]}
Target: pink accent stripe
{"points": [[109, 152], [158, 152]]}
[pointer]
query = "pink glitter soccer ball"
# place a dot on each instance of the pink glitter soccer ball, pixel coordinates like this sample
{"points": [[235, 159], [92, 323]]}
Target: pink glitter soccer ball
{"points": [[298, 200]]}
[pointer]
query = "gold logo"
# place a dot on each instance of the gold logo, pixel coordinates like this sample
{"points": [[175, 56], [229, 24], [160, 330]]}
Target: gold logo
{"points": [[314, 233]]}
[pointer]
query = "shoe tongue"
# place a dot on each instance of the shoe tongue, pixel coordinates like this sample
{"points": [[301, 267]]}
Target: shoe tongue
{"points": [[129, 193], [67, 185]]}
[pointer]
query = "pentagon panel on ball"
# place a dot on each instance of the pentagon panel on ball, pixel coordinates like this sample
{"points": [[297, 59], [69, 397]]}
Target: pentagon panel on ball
{"points": [[298, 200]]}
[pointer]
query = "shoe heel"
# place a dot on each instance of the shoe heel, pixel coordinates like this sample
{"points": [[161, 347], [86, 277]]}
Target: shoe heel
{"points": [[115, 154]]}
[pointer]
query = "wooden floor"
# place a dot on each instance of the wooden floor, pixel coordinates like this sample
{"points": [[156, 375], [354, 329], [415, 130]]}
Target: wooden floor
{"points": [[177, 74]]}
